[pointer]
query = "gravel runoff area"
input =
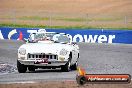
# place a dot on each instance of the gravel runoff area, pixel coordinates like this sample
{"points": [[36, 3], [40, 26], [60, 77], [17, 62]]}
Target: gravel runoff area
{"points": [[63, 84], [101, 58]]}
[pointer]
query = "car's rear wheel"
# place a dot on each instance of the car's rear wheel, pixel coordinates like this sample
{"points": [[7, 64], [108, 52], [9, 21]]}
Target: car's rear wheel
{"points": [[21, 68], [66, 68], [31, 68]]}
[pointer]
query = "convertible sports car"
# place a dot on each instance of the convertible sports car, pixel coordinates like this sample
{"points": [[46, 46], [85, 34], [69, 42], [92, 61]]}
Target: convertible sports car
{"points": [[48, 50]]}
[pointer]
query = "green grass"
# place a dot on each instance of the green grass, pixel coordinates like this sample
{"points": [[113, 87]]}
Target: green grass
{"points": [[63, 27], [68, 19], [33, 18], [107, 19], [85, 22], [51, 18]]}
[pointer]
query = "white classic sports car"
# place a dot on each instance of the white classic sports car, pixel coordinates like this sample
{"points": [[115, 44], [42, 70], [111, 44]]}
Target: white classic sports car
{"points": [[48, 50]]}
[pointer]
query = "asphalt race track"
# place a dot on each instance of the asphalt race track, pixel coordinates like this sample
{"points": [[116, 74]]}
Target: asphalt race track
{"points": [[95, 58]]}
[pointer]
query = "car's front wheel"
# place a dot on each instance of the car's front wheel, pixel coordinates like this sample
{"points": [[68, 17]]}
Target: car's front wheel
{"points": [[74, 66], [66, 68], [21, 68]]}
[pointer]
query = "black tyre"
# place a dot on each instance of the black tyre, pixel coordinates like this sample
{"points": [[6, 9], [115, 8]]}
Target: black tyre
{"points": [[66, 68], [31, 68], [81, 80], [74, 66], [21, 68]]}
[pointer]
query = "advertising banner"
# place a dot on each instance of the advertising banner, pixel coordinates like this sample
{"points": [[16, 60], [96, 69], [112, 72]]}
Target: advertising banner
{"points": [[77, 35]]}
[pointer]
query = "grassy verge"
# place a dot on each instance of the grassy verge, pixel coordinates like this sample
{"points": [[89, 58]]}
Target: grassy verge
{"points": [[67, 22], [40, 26], [68, 18], [63, 27]]}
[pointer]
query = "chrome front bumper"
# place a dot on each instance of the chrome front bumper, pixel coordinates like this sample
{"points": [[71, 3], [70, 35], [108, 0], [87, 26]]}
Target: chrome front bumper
{"points": [[50, 63]]}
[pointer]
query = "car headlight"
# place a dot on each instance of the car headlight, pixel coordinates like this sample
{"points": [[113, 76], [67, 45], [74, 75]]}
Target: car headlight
{"points": [[63, 52], [22, 51]]}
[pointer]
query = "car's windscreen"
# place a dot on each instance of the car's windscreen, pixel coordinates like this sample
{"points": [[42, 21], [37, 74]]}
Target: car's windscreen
{"points": [[57, 38]]}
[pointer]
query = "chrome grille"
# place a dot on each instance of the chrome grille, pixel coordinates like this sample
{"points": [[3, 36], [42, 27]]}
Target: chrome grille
{"points": [[41, 56]]}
